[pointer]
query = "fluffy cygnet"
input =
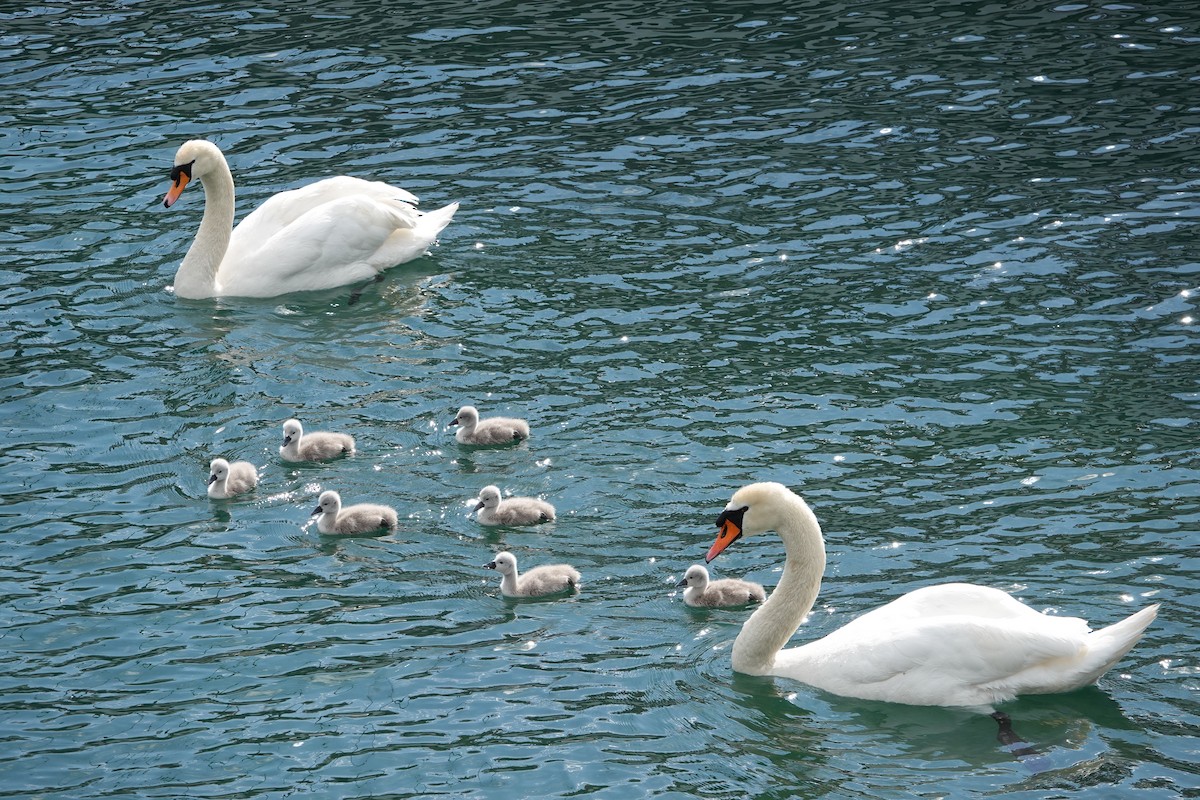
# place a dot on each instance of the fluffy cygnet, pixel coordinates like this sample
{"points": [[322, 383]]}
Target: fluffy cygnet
{"points": [[226, 480], [314, 446], [701, 591], [493, 430], [539, 581], [361, 518], [511, 511]]}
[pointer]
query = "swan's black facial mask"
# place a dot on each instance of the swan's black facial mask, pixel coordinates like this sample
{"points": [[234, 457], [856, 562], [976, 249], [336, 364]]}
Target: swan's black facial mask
{"points": [[182, 169], [730, 523], [181, 175]]}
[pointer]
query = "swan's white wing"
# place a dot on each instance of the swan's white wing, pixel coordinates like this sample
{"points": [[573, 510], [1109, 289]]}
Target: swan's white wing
{"points": [[333, 244], [951, 660], [282, 210]]}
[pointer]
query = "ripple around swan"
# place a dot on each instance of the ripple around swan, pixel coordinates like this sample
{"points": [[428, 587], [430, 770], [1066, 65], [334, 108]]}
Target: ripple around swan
{"points": [[925, 265]]}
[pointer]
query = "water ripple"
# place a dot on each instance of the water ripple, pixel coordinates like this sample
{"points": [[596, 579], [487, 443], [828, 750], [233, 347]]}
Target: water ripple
{"points": [[934, 267]]}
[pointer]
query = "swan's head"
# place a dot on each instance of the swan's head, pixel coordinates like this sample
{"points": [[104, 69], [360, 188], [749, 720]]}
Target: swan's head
{"points": [[218, 470], [467, 416], [489, 497], [329, 502], [696, 577], [194, 159], [753, 509], [505, 563], [292, 431]]}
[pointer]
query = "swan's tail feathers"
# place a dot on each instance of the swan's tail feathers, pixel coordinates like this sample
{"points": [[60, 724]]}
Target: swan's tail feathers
{"points": [[431, 223], [1108, 645]]}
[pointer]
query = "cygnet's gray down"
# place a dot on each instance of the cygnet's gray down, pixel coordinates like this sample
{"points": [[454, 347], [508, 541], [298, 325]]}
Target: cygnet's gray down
{"points": [[512, 510], [361, 518], [539, 581], [314, 446], [227, 480], [493, 430], [701, 591]]}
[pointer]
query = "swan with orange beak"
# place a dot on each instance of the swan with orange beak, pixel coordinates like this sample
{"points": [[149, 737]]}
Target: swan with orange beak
{"points": [[954, 644]]}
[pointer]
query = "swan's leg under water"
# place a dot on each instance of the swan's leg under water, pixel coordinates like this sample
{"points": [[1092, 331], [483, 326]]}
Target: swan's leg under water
{"points": [[357, 294], [1033, 759]]}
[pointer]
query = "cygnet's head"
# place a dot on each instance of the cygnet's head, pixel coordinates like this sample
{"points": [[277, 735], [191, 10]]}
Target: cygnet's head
{"points": [[696, 577], [292, 431], [505, 563], [218, 470], [330, 502], [489, 497], [467, 416], [193, 160]]}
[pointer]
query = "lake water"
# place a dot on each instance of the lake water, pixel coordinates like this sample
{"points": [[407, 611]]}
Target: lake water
{"points": [[935, 270]]}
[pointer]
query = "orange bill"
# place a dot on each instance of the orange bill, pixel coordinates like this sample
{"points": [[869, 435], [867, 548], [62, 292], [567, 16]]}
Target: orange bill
{"points": [[730, 523], [181, 182]]}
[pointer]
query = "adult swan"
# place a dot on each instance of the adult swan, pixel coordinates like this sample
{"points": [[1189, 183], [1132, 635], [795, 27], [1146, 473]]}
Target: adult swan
{"points": [[331, 233], [956, 644]]}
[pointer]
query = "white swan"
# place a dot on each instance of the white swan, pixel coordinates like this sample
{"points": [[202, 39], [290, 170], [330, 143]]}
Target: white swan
{"points": [[955, 644], [330, 233], [537, 582], [512, 510], [227, 480], [705, 593], [493, 430], [360, 518], [314, 446]]}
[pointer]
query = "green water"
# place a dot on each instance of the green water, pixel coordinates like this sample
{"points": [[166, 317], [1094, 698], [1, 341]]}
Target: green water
{"points": [[935, 269]]}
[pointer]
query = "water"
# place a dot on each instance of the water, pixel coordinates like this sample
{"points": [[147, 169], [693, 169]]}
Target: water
{"points": [[936, 271]]}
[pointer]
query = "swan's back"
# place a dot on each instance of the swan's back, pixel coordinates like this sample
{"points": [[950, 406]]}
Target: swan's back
{"points": [[281, 210], [323, 445], [548, 579], [518, 511], [725, 592], [365, 518], [991, 648], [494, 430]]}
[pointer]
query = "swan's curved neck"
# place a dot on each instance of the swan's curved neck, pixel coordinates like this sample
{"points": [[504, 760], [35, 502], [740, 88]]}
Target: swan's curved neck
{"points": [[770, 627], [197, 274]]}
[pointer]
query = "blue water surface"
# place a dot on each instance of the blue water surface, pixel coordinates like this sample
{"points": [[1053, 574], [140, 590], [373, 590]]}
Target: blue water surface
{"points": [[935, 268]]}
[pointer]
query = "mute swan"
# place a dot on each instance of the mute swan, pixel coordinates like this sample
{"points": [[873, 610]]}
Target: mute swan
{"points": [[493, 430], [511, 511], [361, 518], [226, 480], [330, 233], [955, 644], [314, 446], [539, 581], [702, 592]]}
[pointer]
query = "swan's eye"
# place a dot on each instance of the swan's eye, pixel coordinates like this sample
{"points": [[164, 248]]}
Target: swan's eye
{"points": [[182, 169]]}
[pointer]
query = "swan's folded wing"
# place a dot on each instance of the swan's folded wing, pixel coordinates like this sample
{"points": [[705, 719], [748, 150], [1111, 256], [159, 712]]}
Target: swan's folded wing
{"points": [[331, 245], [282, 210], [922, 663]]}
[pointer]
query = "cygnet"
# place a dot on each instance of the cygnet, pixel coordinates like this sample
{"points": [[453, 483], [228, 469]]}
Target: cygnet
{"points": [[226, 480], [361, 518], [314, 446], [493, 430], [701, 591], [511, 511], [539, 581]]}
